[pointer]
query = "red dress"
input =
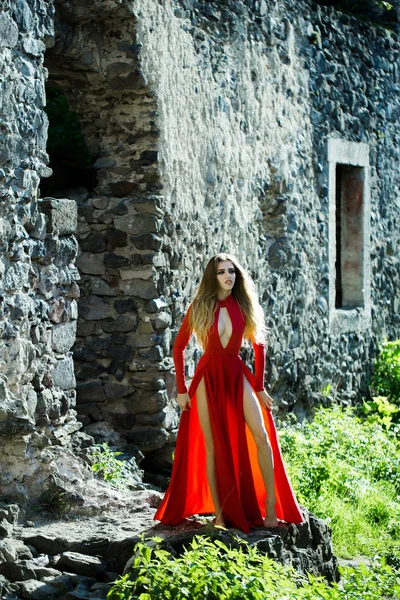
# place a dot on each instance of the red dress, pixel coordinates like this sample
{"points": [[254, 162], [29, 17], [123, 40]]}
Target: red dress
{"points": [[240, 485]]}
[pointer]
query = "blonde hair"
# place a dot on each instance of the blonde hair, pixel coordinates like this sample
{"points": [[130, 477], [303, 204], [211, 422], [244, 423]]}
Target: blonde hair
{"points": [[204, 305]]}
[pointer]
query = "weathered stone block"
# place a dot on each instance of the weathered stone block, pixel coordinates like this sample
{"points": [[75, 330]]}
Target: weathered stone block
{"points": [[91, 370], [123, 188], [62, 215], [125, 305], [63, 374], [162, 320], [100, 287], [116, 239], [16, 277], [63, 336], [93, 308], [147, 241], [139, 223], [88, 392], [116, 391], [91, 264], [122, 323], [115, 260], [140, 288], [147, 438], [8, 32], [95, 242]]}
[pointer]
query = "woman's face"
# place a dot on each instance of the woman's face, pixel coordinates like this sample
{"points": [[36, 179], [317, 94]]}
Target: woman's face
{"points": [[226, 275]]}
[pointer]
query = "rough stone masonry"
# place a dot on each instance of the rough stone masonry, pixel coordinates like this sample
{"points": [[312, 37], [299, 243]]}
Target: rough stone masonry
{"points": [[233, 125]]}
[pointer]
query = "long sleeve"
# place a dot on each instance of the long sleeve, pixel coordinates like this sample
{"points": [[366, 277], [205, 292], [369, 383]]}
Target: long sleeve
{"points": [[178, 353], [259, 360]]}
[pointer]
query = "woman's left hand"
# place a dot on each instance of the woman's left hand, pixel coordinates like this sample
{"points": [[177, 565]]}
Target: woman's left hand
{"points": [[265, 399]]}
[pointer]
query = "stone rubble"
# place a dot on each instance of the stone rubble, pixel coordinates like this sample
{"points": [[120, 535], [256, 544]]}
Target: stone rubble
{"points": [[80, 557]]}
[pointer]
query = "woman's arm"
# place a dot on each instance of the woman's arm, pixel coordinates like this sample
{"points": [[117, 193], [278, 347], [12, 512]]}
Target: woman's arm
{"points": [[178, 353], [259, 360], [259, 363]]}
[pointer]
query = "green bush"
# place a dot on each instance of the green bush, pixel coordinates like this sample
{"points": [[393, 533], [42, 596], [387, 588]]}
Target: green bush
{"points": [[386, 379], [209, 570], [346, 470], [116, 472]]}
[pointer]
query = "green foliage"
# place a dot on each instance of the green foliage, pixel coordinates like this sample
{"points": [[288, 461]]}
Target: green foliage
{"points": [[386, 379], [53, 502], [346, 470], [209, 570], [117, 472], [380, 410]]}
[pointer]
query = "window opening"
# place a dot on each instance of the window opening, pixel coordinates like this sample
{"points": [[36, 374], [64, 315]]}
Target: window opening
{"points": [[349, 236]]}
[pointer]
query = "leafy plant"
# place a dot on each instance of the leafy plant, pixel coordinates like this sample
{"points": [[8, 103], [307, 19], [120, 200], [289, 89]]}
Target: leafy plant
{"points": [[54, 502], [386, 379], [210, 570], [380, 410], [114, 471], [346, 470]]}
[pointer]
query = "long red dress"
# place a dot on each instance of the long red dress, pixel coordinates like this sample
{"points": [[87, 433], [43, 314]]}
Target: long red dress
{"points": [[240, 485]]}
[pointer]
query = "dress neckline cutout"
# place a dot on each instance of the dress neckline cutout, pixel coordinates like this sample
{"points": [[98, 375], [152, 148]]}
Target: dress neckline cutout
{"points": [[226, 302]]}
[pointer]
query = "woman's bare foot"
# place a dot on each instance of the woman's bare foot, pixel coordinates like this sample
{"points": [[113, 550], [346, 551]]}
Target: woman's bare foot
{"points": [[270, 517], [219, 521]]}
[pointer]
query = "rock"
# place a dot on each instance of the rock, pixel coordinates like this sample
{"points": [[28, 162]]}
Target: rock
{"points": [[21, 571], [8, 32], [92, 391], [138, 224], [115, 391], [281, 544], [92, 264], [122, 323], [147, 438], [37, 590], [8, 519], [63, 336], [162, 320], [62, 215], [45, 543], [147, 241], [12, 550], [63, 374], [92, 308], [115, 260], [82, 564]]}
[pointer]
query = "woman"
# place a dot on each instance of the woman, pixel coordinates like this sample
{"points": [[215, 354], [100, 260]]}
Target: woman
{"points": [[227, 457]]}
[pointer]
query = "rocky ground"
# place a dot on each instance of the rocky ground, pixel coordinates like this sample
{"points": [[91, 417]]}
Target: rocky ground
{"points": [[73, 557]]}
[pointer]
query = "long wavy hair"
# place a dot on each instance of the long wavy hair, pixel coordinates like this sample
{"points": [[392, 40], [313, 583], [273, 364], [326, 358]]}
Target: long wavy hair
{"points": [[204, 305]]}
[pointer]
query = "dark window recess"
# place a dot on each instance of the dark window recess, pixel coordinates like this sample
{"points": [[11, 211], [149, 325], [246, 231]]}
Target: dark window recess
{"points": [[70, 159], [349, 236]]}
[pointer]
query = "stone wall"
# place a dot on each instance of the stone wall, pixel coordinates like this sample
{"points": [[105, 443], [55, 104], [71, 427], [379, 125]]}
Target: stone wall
{"points": [[122, 354], [38, 276], [249, 94], [209, 125]]}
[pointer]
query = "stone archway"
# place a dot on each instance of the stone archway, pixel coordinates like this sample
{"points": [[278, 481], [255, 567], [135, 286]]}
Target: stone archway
{"points": [[123, 337]]}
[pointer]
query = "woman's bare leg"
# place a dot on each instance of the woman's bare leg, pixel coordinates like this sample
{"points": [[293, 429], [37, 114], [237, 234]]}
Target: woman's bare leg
{"points": [[253, 417], [204, 418]]}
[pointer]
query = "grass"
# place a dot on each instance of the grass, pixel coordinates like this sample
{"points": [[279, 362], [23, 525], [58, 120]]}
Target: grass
{"points": [[346, 470]]}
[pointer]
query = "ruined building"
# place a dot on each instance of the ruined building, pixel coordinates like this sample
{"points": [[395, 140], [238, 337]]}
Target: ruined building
{"points": [[265, 128]]}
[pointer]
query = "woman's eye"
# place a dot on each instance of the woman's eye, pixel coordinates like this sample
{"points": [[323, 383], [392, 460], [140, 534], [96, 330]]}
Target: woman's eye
{"points": [[231, 271]]}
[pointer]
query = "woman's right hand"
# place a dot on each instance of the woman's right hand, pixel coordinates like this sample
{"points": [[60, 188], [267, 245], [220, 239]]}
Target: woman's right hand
{"points": [[184, 401]]}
